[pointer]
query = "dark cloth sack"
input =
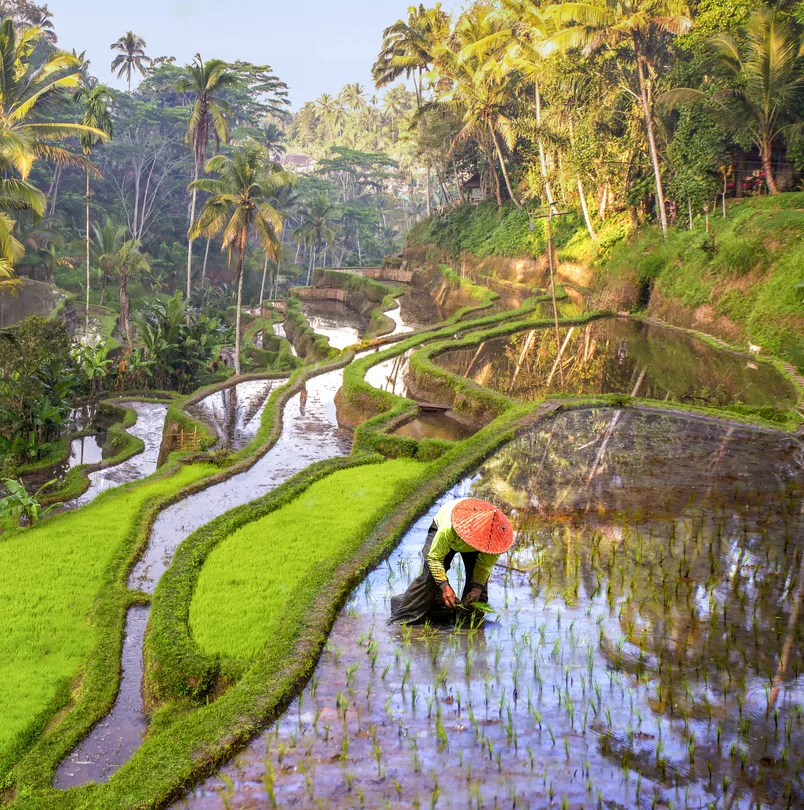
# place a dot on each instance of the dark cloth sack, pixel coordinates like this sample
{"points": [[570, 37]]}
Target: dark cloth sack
{"points": [[423, 596]]}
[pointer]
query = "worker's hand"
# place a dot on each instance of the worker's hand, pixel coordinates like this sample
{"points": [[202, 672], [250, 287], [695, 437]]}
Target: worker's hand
{"points": [[448, 595], [473, 595]]}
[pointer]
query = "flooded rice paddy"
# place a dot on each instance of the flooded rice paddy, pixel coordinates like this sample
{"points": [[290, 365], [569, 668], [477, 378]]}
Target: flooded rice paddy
{"points": [[622, 356], [235, 412], [148, 427], [645, 649], [340, 324], [93, 449]]}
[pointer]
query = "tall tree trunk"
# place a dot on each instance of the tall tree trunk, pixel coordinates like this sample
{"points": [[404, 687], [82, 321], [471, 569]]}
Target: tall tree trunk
{"points": [[585, 209], [125, 320], [429, 209], [504, 170], [493, 172], [53, 191], [689, 210], [310, 266], [765, 151], [241, 255], [204, 266], [654, 154], [86, 314], [189, 239], [457, 181], [264, 274], [542, 161]]}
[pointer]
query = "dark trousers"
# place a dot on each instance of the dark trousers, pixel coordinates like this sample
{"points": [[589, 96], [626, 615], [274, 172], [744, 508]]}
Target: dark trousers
{"points": [[423, 596]]}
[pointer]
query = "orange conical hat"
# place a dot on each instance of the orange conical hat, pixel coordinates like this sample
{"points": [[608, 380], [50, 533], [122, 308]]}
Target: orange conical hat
{"points": [[482, 526]]}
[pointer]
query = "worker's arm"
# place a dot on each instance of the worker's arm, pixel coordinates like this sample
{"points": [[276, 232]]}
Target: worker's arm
{"points": [[439, 549]]}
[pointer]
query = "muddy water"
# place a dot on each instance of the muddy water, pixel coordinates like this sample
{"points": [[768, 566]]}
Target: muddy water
{"points": [[235, 412], [623, 356], [435, 426], [148, 427], [640, 621], [336, 321]]}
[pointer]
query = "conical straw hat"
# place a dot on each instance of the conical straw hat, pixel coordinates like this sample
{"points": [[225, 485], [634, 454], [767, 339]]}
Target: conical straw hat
{"points": [[482, 526]]}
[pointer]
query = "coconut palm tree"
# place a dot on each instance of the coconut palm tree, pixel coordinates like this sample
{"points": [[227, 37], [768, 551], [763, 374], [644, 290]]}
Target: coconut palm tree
{"points": [[26, 132], [639, 31], [408, 47], [240, 203], [205, 80], [96, 116], [353, 97], [481, 96], [766, 83], [318, 225], [131, 57], [106, 243]]}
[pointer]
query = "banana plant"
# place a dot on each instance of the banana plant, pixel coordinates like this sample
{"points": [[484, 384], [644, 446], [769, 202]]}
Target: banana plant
{"points": [[19, 504]]}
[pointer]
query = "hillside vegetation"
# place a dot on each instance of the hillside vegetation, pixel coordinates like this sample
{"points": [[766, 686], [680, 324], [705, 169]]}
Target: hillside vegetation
{"points": [[741, 281]]}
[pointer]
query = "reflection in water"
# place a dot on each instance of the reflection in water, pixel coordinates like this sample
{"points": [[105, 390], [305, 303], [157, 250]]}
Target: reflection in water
{"points": [[613, 356], [149, 427], [435, 426], [342, 325], [391, 374], [236, 411], [640, 619]]}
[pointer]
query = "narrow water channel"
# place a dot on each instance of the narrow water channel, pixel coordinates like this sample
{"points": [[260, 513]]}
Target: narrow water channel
{"points": [[148, 427], [635, 657]]}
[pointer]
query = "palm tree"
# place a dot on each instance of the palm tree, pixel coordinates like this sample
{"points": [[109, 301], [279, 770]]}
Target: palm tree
{"points": [[271, 138], [239, 203], [353, 96], [480, 95], [128, 261], [131, 57], [107, 243], [317, 228], [640, 29], [767, 83], [331, 112], [96, 116], [204, 80], [407, 47], [26, 132]]}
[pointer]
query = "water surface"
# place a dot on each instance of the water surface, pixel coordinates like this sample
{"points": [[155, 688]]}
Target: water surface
{"points": [[620, 356], [636, 657]]}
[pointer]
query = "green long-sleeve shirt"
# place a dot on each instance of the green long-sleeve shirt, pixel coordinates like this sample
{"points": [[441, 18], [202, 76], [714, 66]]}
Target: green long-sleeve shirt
{"points": [[446, 540]]}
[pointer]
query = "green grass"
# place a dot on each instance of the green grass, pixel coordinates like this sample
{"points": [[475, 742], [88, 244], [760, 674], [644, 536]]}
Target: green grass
{"points": [[50, 577], [249, 580], [485, 230], [747, 270]]}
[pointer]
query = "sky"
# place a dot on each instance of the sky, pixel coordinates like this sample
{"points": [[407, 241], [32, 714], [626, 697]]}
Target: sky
{"points": [[315, 46]]}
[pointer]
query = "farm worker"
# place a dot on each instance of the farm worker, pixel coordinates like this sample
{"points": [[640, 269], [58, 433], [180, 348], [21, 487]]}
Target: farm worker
{"points": [[476, 530]]}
